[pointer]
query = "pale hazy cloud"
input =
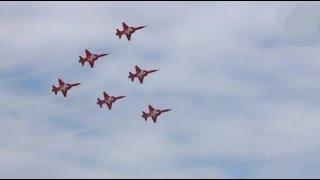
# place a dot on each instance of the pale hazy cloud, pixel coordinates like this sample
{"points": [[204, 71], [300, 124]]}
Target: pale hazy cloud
{"points": [[241, 78]]}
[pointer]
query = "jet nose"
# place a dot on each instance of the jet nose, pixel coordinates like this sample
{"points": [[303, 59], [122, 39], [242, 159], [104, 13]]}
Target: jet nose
{"points": [[166, 110], [139, 27]]}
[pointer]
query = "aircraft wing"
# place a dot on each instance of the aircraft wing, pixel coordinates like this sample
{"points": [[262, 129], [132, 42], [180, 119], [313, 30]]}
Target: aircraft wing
{"points": [[151, 108], [128, 37], [138, 70], [88, 53], [61, 83], [109, 106], [140, 79], [125, 26], [154, 118], [106, 96], [64, 93], [91, 64]]}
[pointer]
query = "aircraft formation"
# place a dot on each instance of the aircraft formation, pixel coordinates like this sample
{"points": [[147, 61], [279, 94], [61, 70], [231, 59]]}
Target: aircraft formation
{"points": [[108, 100]]}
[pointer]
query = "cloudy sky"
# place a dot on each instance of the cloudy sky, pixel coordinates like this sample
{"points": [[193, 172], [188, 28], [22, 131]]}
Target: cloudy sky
{"points": [[242, 78]]}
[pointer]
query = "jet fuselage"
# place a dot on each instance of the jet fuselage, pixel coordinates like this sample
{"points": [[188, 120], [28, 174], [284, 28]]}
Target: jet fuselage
{"points": [[155, 113], [65, 87], [110, 100], [92, 58], [142, 74], [130, 30]]}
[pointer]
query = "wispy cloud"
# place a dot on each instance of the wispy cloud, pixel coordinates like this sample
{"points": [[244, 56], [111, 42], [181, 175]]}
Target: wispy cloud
{"points": [[241, 78]]}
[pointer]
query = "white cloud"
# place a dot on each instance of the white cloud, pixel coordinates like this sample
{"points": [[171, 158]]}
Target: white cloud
{"points": [[242, 89]]}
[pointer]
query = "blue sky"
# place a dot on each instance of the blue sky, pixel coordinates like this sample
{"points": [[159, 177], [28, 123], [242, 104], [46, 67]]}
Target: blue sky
{"points": [[241, 77]]}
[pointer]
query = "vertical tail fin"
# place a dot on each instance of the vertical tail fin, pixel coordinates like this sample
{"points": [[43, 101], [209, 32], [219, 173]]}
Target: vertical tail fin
{"points": [[81, 60], [100, 102], [144, 115], [54, 89], [118, 33], [131, 76]]}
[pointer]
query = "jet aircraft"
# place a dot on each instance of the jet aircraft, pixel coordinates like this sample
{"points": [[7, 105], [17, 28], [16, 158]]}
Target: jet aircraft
{"points": [[128, 30], [63, 87], [140, 74], [153, 113], [90, 58], [108, 100]]}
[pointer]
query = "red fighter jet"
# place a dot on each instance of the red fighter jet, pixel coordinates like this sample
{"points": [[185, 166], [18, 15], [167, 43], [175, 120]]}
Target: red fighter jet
{"points": [[128, 30], [140, 74], [90, 58], [108, 100], [153, 113], [63, 87]]}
